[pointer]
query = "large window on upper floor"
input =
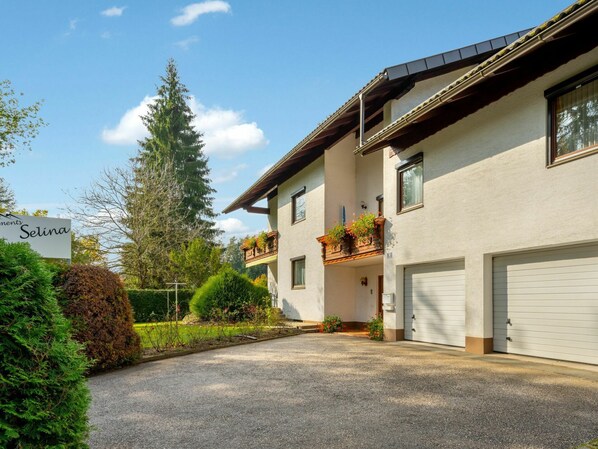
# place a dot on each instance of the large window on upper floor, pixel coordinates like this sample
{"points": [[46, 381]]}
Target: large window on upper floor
{"points": [[573, 117], [410, 183], [298, 205]]}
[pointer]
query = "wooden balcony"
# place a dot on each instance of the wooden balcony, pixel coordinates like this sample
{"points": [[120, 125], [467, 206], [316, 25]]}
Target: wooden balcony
{"points": [[352, 248], [254, 255]]}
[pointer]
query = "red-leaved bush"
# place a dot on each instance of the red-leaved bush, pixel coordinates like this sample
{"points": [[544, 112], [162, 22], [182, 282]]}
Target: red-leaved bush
{"points": [[96, 302]]}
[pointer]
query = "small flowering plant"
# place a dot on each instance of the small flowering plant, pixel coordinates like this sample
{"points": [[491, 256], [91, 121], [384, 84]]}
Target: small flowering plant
{"points": [[336, 234], [261, 241], [332, 323], [250, 242], [364, 226]]}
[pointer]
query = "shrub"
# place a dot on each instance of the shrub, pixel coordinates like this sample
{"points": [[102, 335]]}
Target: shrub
{"points": [[376, 328], [332, 323], [336, 234], [43, 395], [97, 303], [261, 281], [364, 226], [152, 305], [228, 293]]}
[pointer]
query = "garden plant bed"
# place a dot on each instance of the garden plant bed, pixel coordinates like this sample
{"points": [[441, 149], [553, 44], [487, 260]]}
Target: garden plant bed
{"points": [[167, 339]]}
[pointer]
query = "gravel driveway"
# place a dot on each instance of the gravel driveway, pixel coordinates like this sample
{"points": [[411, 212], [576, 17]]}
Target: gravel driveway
{"points": [[334, 391]]}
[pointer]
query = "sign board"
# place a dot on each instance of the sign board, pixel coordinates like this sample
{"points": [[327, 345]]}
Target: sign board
{"points": [[50, 237]]}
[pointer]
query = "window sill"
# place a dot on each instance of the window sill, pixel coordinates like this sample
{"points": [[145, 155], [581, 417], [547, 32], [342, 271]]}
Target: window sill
{"points": [[298, 287], [573, 156], [409, 209], [298, 221]]}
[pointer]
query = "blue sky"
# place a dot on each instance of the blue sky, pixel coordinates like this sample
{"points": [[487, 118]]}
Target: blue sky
{"points": [[262, 73]]}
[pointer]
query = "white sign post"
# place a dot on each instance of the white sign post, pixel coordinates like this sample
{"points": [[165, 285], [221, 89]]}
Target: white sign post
{"points": [[50, 237]]}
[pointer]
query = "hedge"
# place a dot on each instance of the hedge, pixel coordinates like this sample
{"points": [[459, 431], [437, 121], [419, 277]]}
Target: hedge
{"points": [[150, 305]]}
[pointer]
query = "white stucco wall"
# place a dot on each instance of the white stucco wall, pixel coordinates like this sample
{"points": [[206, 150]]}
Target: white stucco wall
{"points": [[340, 180], [487, 191], [298, 240], [422, 91]]}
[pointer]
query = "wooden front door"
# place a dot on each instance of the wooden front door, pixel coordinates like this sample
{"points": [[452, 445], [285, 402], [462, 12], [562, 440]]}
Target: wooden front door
{"points": [[379, 310]]}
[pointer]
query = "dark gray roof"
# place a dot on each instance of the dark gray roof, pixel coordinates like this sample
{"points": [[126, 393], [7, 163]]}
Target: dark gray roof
{"points": [[449, 57], [389, 84]]}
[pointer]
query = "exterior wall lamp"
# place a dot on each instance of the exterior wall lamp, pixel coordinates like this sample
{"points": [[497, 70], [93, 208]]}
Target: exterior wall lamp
{"points": [[364, 281]]}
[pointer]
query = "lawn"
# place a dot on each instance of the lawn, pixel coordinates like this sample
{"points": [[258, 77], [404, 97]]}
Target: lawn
{"points": [[166, 336]]}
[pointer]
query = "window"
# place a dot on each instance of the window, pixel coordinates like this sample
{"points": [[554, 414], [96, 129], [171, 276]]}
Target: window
{"points": [[573, 117], [410, 183], [298, 201], [298, 267]]}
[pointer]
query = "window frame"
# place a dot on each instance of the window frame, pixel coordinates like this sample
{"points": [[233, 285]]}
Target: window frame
{"points": [[401, 168], [299, 193], [551, 95], [293, 262]]}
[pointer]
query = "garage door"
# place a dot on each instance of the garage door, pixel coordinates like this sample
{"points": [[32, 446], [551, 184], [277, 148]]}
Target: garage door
{"points": [[546, 304], [435, 303]]}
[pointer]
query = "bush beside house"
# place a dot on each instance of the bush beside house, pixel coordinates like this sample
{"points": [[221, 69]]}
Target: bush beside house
{"points": [[231, 294], [151, 305], [96, 301], [43, 394]]}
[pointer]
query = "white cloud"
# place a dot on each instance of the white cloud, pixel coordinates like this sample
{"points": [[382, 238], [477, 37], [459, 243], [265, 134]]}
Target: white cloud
{"points": [[225, 133], [229, 175], [265, 169], [73, 24], [186, 43], [106, 35], [130, 128], [190, 13], [232, 226], [115, 11]]}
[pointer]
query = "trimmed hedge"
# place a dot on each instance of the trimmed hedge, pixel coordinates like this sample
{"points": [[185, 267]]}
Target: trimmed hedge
{"points": [[231, 293], [96, 301], [43, 394], [150, 305]]}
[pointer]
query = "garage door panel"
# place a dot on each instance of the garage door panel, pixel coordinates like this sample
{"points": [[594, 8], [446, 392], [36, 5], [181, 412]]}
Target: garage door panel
{"points": [[551, 301], [435, 295]]}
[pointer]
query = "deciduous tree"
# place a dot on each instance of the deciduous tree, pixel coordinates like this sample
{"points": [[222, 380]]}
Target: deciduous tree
{"points": [[19, 125]]}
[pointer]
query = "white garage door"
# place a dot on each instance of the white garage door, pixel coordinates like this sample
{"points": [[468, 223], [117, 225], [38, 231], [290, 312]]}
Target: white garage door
{"points": [[435, 303], [546, 304]]}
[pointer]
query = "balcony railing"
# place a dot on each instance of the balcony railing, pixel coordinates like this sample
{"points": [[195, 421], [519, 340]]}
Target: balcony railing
{"points": [[256, 254], [351, 248]]}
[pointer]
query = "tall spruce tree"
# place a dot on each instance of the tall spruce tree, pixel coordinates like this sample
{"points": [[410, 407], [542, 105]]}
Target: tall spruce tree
{"points": [[173, 140]]}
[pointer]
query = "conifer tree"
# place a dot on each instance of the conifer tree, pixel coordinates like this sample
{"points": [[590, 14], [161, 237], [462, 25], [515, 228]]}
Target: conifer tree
{"points": [[173, 140]]}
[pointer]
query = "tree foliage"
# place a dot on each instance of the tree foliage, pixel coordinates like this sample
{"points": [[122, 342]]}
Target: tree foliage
{"points": [[233, 256], [173, 140], [135, 213], [7, 197], [43, 395], [194, 262], [86, 250], [19, 125]]}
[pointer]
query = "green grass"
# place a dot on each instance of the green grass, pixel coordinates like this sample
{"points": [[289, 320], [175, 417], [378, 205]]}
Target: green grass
{"points": [[166, 335], [589, 445]]}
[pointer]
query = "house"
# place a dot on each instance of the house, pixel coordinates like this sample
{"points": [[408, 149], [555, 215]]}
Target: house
{"points": [[482, 168]]}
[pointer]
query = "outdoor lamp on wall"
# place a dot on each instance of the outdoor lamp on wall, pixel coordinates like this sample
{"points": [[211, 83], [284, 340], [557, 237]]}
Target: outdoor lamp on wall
{"points": [[363, 205], [364, 281]]}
